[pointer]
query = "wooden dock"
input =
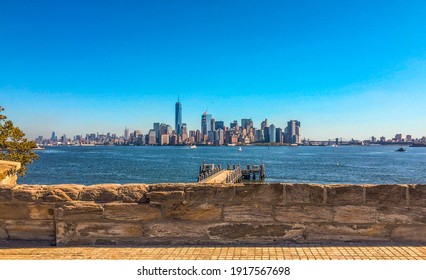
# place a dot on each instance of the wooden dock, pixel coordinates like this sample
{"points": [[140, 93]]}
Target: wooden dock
{"points": [[208, 173]]}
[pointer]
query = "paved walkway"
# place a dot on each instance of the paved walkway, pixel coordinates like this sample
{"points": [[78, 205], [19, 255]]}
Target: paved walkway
{"points": [[21, 251], [219, 177]]}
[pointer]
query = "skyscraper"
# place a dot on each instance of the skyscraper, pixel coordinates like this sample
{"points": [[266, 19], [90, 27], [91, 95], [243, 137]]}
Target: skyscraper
{"points": [[293, 132], [178, 117], [206, 124]]}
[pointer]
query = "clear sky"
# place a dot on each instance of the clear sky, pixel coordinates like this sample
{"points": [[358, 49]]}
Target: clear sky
{"points": [[343, 68]]}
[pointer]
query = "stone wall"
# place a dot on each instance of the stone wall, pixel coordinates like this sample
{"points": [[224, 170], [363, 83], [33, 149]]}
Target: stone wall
{"points": [[249, 213], [8, 171]]}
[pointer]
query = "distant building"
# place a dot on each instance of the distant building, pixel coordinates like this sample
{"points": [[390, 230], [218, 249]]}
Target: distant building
{"points": [[373, 139], [206, 123], [178, 118], [272, 134], [126, 133], [279, 135], [219, 124], [152, 137], [293, 132], [246, 124], [398, 137], [157, 132], [264, 124]]}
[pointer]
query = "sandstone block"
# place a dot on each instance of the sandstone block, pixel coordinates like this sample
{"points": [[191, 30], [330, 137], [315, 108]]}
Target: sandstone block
{"points": [[352, 214], [414, 233], [382, 195], [13, 210], [417, 215], [196, 212], [100, 193], [344, 194], [393, 215], [96, 232], [132, 212], [3, 232], [5, 193], [79, 211], [303, 214], [41, 211], [27, 192], [417, 194], [248, 213], [173, 230], [259, 193], [331, 232], [133, 193], [260, 232], [304, 193], [165, 197], [61, 193], [165, 187], [31, 230], [210, 194]]}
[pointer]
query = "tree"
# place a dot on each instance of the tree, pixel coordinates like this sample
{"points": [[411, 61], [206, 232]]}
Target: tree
{"points": [[14, 146]]}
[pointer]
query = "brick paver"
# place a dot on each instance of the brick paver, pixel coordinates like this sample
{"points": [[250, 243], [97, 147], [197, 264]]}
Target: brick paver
{"points": [[19, 251]]}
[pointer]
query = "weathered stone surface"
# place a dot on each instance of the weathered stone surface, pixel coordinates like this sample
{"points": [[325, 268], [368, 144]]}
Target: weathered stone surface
{"points": [[5, 193], [94, 232], [374, 232], [344, 194], [304, 193], [41, 211], [61, 193], [27, 192], [415, 233], [79, 211], [248, 213], [245, 232], [351, 214], [31, 230], [131, 193], [100, 193], [417, 194], [166, 197], [196, 212], [259, 193], [303, 214], [393, 215], [417, 215], [13, 210], [175, 230], [166, 187], [132, 212], [382, 195], [3, 232], [210, 194]]}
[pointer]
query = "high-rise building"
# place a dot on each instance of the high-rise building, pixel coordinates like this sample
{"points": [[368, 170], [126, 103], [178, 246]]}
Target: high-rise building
{"points": [[178, 117], [206, 124], [246, 124], [126, 133], [264, 124], [219, 125], [279, 135], [272, 134], [157, 132], [293, 135]]}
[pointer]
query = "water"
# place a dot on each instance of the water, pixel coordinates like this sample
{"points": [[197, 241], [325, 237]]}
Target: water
{"points": [[145, 164]]}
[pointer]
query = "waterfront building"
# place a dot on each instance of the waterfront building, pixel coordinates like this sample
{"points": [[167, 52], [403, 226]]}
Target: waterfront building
{"points": [[184, 134], [178, 118], [264, 124], [272, 134], [266, 134], [383, 139], [126, 133], [219, 125], [53, 138], [164, 139], [152, 137], [398, 137], [246, 124], [258, 135], [279, 135], [206, 123], [234, 125], [408, 138], [156, 127], [373, 139], [293, 135]]}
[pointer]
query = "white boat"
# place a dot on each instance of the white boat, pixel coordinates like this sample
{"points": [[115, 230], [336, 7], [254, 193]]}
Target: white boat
{"points": [[240, 149], [192, 147]]}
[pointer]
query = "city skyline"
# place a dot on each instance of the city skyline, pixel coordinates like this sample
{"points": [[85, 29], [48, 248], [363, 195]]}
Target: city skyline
{"points": [[351, 70]]}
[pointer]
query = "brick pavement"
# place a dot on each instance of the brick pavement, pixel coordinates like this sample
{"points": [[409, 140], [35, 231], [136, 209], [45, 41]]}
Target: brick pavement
{"points": [[30, 251]]}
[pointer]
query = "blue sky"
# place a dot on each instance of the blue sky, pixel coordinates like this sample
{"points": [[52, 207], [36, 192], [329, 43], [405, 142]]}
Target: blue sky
{"points": [[343, 68]]}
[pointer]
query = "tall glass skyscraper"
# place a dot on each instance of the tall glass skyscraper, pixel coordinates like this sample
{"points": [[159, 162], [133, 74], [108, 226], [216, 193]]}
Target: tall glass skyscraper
{"points": [[178, 117]]}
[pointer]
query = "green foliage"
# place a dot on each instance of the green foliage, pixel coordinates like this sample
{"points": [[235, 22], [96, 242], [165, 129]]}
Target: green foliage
{"points": [[14, 146]]}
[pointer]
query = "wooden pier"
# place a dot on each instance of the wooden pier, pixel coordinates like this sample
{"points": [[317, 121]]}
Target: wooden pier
{"points": [[208, 173]]}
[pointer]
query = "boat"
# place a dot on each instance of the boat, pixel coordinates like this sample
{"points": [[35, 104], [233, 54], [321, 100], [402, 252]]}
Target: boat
{"points": [[39, 148], [418, 145], [240, 149], [401, 150], [192, 147]]}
